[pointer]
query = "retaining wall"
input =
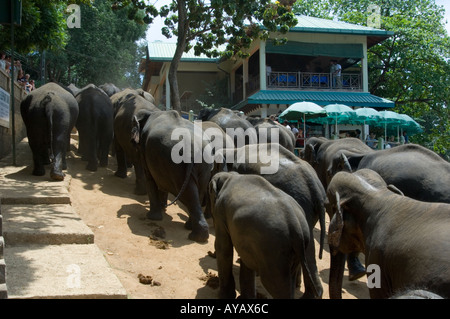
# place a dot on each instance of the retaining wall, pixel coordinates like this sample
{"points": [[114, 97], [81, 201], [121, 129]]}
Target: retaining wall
{"points": [[20, 130]]}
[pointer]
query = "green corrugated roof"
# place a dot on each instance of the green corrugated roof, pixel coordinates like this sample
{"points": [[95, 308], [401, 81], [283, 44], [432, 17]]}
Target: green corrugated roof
{"points": [[361, 99], [317, 25], [164, 51]]}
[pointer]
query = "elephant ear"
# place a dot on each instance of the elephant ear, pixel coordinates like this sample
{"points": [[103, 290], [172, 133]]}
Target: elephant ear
{"points": [[336, 225], [309, 154], [135, 131], [339, 163], [395, 190], [137, 124]]}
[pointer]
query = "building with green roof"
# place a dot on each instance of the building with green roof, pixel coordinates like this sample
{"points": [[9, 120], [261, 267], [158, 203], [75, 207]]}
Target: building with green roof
{"points": [[275, 76]]}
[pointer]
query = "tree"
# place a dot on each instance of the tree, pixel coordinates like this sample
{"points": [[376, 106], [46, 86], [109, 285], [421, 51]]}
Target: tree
{"points": [[105, 48], [43, 26], [412, 67], [205, 26]]}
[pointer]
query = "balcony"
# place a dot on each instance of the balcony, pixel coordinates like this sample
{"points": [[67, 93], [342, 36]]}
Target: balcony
{"points": [[309, 80]]}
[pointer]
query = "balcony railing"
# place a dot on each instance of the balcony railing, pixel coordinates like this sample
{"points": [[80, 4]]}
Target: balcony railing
{"points": [[309, 80]]}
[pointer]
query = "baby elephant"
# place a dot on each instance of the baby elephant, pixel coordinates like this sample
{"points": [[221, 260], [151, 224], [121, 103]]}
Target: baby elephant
{"points": [[268, 230]]}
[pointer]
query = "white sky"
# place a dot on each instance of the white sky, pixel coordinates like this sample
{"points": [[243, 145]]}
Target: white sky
{"points": [[154, 31]]}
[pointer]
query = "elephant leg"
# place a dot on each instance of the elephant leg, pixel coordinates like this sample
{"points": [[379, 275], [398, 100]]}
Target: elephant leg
{"points": [[279, 281], [247, 282], [200, 228], [163, 198], [311, 287], [140, 186], [156, 209], [224, 256], [121, 161], [38, 164], [91, 155], [105, 137], [337, 265], [355, 268], [103, 152], [59, 153]]}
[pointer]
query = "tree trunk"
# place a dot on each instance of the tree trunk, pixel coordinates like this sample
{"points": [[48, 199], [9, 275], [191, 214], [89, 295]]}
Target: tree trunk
{"points": [[181, 46], [146, 82]]}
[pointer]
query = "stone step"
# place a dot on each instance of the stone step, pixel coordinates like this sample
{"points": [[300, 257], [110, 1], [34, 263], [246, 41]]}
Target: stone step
{"points": [[51, 224], [60, 271], [19, 186]]}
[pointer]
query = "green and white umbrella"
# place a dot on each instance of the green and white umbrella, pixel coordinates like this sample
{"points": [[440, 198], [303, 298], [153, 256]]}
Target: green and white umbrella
{"points": [[303, 110]]}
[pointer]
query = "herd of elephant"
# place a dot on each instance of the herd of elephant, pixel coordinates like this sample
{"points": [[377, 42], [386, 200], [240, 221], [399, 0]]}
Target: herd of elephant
{"points": [[391, 205]]}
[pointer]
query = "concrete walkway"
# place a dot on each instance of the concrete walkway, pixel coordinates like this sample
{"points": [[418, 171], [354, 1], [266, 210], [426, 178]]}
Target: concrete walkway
{"points": [[48, 250]]}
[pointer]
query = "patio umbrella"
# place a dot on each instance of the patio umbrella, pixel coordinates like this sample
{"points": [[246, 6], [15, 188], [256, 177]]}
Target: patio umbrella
{"points": [[410, 124], [341, 112], [302, 109], [367, 115], [389, 117]]}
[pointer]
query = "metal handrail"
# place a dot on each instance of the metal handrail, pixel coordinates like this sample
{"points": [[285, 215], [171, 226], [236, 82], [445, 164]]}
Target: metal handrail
{"points": [[313, 80]]}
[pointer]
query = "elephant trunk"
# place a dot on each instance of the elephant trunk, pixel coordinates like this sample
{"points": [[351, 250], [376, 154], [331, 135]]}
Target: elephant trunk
{"points": [[337, 266]]}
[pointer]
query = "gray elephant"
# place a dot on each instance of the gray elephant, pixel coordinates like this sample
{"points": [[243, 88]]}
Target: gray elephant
{"points": [[49, 113], [417, 171], [267, 228], [284, 135], [322, 153], [405, 241], [241, 130], [416, 294], [126, 104], [110, 89], [171, 155], [95, 126], [298, 179]]}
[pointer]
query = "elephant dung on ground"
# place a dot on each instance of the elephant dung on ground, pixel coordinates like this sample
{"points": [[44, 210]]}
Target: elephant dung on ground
{"points": [[405, 241], [126, 104], [171, 154], [267, 228], [49, 113], [95, 126]]}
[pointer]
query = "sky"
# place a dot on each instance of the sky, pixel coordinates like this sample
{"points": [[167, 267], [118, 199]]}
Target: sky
{"points": [[446, 4], [154, 32]]}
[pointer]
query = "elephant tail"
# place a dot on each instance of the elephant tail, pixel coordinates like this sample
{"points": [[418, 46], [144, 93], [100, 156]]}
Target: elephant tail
{"points": [[185, 183], [49, 114], [322, 228]]}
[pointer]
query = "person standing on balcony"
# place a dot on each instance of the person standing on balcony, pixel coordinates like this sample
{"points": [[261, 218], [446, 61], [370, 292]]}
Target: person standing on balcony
{"points": [[2, 61], [335, 71]]}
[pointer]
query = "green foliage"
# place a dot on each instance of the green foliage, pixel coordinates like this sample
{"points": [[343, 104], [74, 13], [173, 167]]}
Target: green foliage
{"points": [[209, 26], [412, 68], [43, 27], [104, 49]]}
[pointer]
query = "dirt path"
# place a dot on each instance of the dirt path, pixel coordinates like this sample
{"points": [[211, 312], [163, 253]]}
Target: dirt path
{"points": [[134, 245]]}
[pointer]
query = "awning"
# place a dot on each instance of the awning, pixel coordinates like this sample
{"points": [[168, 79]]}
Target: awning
{"points": [[347, 50], [358, 99]]}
